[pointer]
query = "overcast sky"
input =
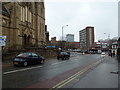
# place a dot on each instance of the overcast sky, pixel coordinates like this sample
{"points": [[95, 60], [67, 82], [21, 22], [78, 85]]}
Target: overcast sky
{"points": [[78, 14]]}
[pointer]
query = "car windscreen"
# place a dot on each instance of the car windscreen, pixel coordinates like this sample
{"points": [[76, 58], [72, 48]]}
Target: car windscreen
{"points": [[24, 55], [63, 53]]}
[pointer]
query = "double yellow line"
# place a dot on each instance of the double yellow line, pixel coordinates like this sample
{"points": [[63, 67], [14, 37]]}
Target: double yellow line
{"points": [[66, 81]]}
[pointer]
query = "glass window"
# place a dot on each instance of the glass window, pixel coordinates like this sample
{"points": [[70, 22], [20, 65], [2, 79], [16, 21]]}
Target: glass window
{"points": [[34, 55]]}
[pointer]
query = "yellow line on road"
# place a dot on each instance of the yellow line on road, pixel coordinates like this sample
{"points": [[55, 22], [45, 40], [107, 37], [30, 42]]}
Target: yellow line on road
{"points": [[66, 81]]}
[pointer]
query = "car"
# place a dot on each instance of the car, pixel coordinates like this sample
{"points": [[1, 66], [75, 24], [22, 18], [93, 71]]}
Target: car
{"points": [[27, 58], [63, 55], [103, 54], [68, 53]]}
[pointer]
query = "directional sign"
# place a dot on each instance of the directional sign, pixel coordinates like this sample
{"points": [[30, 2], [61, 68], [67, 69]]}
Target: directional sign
{"points": [[2, 40], [50, 46]]}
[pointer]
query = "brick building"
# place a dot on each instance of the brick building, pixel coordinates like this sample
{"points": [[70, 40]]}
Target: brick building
{"points": [[86, 38]]}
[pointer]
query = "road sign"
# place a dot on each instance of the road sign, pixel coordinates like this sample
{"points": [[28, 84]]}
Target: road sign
{"points": [[50, 46], [2, 40]]}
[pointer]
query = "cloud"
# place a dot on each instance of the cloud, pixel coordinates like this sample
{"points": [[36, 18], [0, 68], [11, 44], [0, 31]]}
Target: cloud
{"points": [[102, 15]]}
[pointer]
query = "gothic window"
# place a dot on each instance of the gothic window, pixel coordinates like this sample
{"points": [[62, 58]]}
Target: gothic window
{"points": [[4, 21], [26, 14], [22, 13]]}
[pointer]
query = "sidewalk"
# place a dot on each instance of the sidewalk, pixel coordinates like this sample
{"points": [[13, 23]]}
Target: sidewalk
{"points": [[103, 76]]}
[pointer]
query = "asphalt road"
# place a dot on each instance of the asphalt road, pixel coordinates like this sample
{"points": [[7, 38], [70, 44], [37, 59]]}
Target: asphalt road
{"points": [[52, 74]]}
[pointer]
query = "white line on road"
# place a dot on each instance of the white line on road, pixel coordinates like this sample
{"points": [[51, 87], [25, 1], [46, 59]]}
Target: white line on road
{"points": [[58, 63], [55, 63], [21, 70]]}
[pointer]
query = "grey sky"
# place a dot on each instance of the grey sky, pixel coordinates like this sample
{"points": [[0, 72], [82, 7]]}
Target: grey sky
{"points": [[103, 15]]}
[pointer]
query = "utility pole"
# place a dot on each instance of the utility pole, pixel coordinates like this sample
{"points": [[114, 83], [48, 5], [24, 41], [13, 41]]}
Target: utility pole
{"points": [[62, 34]]}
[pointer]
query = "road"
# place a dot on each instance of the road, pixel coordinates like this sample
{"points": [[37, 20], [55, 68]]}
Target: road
{"points": [[53, 73]]}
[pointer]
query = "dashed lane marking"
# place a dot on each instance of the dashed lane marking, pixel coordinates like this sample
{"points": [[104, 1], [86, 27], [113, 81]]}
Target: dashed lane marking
{"points": [[58, 63], [14, 71]]}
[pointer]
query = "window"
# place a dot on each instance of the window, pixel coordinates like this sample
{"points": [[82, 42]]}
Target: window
{"points": [[22, 14], [26, 13], [30, 17], [41, 11], [34, 55], [4, 21]]}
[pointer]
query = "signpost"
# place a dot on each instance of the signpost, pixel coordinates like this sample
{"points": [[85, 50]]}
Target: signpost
{"points": [[2, 43], [2, 40], [50, 46]]}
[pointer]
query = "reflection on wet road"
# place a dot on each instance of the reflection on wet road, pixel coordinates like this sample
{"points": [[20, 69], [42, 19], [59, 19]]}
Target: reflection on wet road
{"points": [[48, 74]]}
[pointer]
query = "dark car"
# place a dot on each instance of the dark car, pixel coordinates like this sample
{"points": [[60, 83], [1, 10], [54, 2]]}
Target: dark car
{"points": [[63, 55], [27, 58]]}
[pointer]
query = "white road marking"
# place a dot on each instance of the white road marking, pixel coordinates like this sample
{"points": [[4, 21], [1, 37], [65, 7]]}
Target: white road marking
{"points": [[58, 63], [14, 71], [55, 63], [21, 70]]}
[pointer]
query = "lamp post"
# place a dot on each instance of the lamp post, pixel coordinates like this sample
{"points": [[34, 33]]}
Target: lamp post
{"points": [[108, 35], [62, 31], [62, 34], [108, 41]]}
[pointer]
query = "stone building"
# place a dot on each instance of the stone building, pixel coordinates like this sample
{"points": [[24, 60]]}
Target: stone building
{"points": [[23, 23]]}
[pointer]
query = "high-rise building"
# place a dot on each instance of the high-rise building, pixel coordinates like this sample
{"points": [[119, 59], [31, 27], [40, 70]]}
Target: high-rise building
{"points": [[70, 37], [86, 38]]}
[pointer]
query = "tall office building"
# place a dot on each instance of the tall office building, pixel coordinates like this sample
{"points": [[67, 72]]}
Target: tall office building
{"points": [[70, 37], [86, 38]]}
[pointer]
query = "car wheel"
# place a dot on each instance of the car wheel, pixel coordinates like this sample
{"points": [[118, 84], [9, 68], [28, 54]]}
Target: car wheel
{"points": [[58, 58], [14, 65], [25, 64], [68, 57], [42, 61]]}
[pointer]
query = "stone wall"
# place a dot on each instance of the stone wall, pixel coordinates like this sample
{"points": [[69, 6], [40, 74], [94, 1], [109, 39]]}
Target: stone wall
{"points": [[46, 53]]}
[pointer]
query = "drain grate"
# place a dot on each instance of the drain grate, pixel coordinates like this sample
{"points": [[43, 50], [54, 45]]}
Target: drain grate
{"points": [[115, 72]]}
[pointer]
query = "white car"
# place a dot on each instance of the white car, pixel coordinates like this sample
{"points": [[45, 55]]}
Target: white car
{"points": [[103, 54]]}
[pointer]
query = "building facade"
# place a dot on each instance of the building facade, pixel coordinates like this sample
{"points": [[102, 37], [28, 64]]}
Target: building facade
{"points": [[114, 48], [86, 38], [47, 35], [53, 39], [118, 51], [70, 38], [23, 23]]}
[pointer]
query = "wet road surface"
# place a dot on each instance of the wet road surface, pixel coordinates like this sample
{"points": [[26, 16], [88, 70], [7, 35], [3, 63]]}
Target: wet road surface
{"points": [[49, 74]]}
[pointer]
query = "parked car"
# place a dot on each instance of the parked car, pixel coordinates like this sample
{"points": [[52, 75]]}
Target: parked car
{"points": [[103, 54], [63, 55], [27, 58]]}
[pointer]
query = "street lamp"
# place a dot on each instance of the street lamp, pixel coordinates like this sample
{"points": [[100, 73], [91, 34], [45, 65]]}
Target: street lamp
{"points": [[62, 34], [108, 35], [62, 31], [108, 41]]}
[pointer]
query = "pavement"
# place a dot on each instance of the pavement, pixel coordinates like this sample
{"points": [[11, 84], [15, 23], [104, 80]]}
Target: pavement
{"points": [[105, 75]]}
